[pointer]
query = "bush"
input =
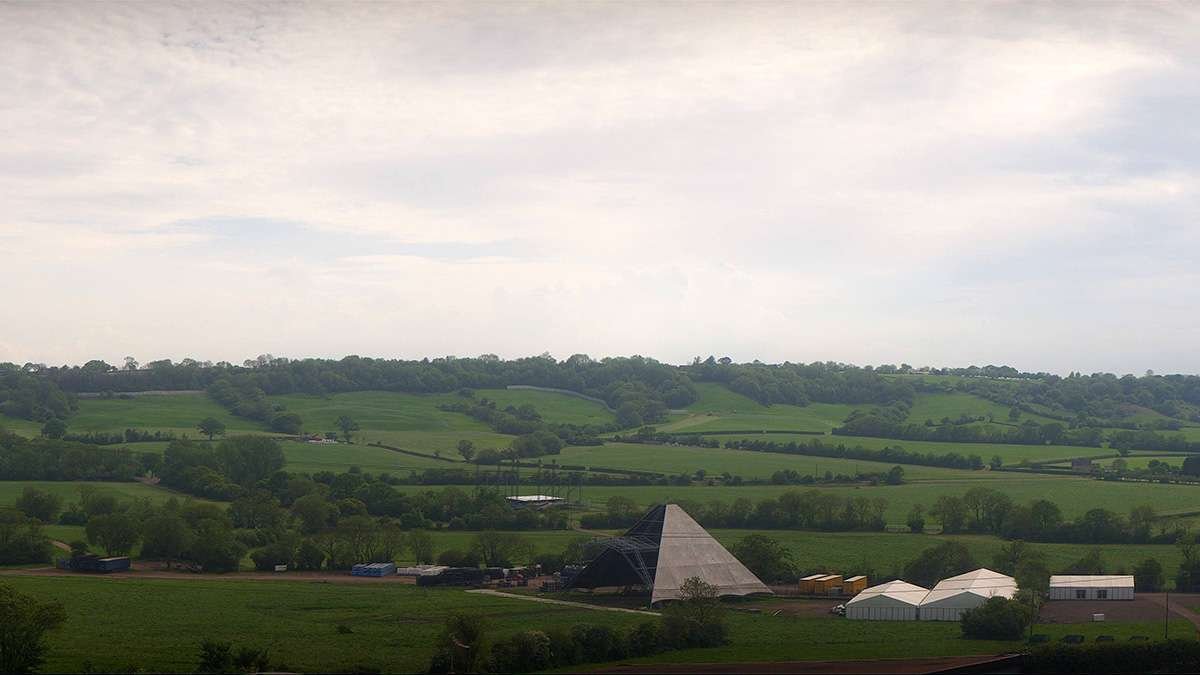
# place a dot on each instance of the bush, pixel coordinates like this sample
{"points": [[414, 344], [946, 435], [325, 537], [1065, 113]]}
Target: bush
{"points": [[38, 504], [767, 558], [1174, 656], [696, 619], [645, 639], [997, 619], [524, 652], [598, 643]]}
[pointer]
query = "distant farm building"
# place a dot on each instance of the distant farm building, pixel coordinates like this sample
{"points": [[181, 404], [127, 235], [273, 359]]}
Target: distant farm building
{"points": [[94, 563], [1081, 465], [1091, 587], [379, 569], [951, 597], [893, 601], [854, 585], [661, 551]]}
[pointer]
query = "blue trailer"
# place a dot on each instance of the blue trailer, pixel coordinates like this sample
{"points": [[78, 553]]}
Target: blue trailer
{"points": [[94, 563]]}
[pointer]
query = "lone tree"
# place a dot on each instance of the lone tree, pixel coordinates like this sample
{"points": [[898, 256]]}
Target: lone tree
{"points": [[23, 625], [54, 428], [466, 449], [211, 426], [348, 426]]}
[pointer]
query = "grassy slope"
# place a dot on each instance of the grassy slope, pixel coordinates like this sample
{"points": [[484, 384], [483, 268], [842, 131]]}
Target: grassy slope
{"points": [[955, 404], [179, 414], [719, 409], [19, 426], [1010, 454]]}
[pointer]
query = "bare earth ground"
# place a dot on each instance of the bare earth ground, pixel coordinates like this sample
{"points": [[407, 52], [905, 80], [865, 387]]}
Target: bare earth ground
{"points": [[1140, 609]]}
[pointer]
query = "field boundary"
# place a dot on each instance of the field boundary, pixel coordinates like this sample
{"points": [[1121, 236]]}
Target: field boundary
{"points": [[565, 603], [565, 392]]}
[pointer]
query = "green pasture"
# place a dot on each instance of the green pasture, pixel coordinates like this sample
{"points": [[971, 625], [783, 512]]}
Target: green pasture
{"points": [[314, 457], [157, 625], [177, 413], [674, 460], [553, 407], [955, 404], [153, 625], [20, 426], [720, 409]]}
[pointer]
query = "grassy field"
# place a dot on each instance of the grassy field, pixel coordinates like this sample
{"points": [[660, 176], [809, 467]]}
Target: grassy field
{"points": [[157, 625], [552, 407], [178, 414], [19, 426], [955, 404], [719, 409], [715, 461], [311, 458]]}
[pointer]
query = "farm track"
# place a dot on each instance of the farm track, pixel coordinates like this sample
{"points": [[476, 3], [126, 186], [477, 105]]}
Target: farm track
{"points": [[564, 603]]}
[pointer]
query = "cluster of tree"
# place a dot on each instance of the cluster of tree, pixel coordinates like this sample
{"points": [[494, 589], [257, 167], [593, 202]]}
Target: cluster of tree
{"points": [[1151, 440], [1099, 399], [225, 471], [116, 438], [989, 511], [800, 384], [524, 420], [695, 620], [244, 398], [22, 540], [889, 422], [894, 476], [998, 618], [24, 622], [27, 396], [51, 459], [816, 447]]}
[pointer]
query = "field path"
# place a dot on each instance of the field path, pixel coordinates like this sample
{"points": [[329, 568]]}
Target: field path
{"points": [[565, 603], [1180, 610]]}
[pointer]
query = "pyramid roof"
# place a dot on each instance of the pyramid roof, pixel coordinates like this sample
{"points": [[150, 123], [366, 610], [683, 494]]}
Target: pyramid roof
{"points": [[664, 549], [891, 593]]}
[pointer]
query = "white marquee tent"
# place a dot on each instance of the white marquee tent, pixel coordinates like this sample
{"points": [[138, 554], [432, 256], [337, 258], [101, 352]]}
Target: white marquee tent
{"points": [[893, 601], [1091, 587], [951, 597]]}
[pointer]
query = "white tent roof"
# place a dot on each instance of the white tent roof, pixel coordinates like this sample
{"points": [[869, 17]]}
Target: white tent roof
{"points": [[1091, 581], [982, 583], [891, 594], [687, 550]]}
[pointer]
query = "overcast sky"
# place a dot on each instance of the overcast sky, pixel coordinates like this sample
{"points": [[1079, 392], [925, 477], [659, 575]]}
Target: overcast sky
{"points": [[939, 184]]}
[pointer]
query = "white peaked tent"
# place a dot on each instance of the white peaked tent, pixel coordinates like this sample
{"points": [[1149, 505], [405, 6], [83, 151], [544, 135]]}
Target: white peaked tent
{"points": [[951, 597], [661, 551], [893, 601]]}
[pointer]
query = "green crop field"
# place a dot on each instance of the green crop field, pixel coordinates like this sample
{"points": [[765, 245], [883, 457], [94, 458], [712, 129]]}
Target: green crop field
{"points": [[157, 625], [715, 461], [177, 413]]}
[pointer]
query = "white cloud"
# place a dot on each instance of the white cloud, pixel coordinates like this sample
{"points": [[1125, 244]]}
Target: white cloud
{"points": [[781, 181]]}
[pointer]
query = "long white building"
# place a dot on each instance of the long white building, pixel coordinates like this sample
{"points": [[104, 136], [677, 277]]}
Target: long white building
{"points": [[1091, 587]]}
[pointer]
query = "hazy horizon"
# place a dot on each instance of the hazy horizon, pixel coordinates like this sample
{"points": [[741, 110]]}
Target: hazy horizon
{"points": [[930, 183]]}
